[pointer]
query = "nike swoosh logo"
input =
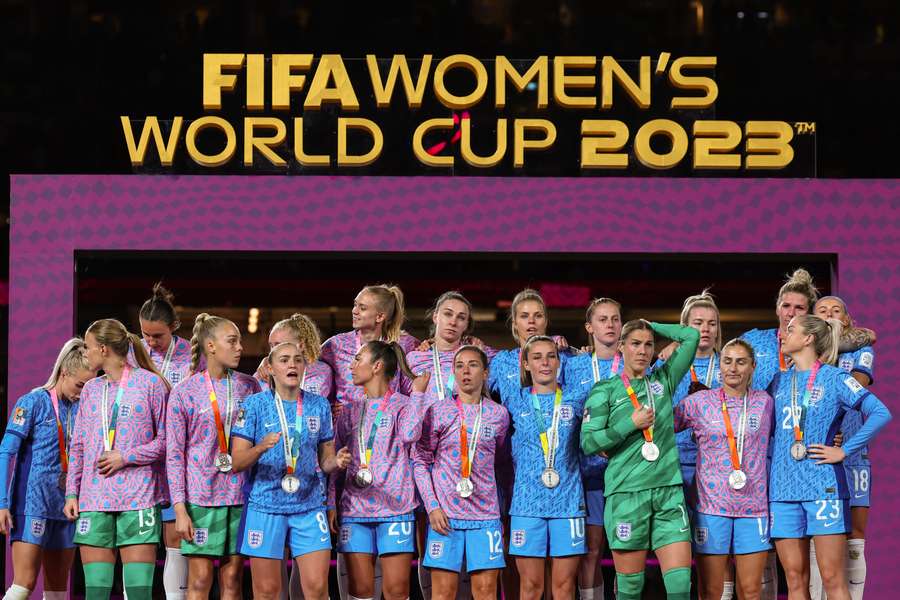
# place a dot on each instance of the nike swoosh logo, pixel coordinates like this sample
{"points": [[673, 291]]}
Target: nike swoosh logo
{"points": [[511, 375], [323, 538], [829, 524], [270, 425], [683, 529], [586, 381], [208, 408], [142, 532], [578, 543], [528, 414], [495, 556], [403, 541], [859, 495]]}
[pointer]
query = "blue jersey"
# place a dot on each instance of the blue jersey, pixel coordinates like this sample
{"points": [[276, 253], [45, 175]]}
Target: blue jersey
{"points": [[503, 378], [579, 373], [834, 393], [32, 440], [765, 347], [684, 440], [859, 361], [260, 418], [530, 497]]}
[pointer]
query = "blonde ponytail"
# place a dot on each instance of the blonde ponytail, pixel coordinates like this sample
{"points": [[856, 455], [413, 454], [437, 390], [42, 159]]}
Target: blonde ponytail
{"points": [[826, 336], [799, 282], [71, 359], [389, 300], [306, 334], [205, 326], [114, 335]]}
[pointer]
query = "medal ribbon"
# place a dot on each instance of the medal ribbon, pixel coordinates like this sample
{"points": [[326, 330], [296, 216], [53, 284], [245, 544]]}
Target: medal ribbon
{"points": [[648, 433], [709, 371], [287, 440], [164, 369], [468, 454], [800, 419], [223, 430], [366, 447], [782, 364], [64, 435], [109, 421], [549, 437], [439, 376], [595, 366], [735, 446]]}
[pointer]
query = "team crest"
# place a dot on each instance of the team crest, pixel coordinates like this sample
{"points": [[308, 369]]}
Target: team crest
{"points": [[436, 549], [565, 412], [37, 527], [753, 421], [201, 536], [846, 364], [345, 534], [517, 538], [19, 416], [657, 387], [623, 531], [487, 432], [385, 421], [816, 394], [312, 388], [866, 359], [701, 535], [254, 538], [174, 377], [853, 384], [124, 411], [84, 526], [312, 423]]}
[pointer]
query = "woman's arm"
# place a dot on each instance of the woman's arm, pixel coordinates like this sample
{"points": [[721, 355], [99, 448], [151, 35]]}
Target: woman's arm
{"points": [[681, 360]]}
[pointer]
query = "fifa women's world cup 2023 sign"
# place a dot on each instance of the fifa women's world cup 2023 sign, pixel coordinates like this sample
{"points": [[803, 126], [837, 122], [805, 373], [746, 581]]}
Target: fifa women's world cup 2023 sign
{"points": [[549, 115]]}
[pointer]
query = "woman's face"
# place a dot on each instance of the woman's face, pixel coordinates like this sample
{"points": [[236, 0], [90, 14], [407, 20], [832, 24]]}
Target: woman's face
{"points": [[542, 362], [451, 320], [365, 312], [791, 305], [362, 369], [737, 366], [796, 338], [829, 308], [605, 325], [225, 345], [637, 349], [287, 365], [469, 372], [157, 334], [706, 321], [70, 385], [531, 319], [95, 352]]}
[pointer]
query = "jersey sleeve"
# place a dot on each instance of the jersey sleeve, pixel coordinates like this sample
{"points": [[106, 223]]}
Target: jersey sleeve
{"points": [[674, 370], [22, 419], [76, 445], [176, 441], [328, 353], [876, 414], [12, 441], [598, 433], [326, 427], [423, 458], [412, 414], [864, 362], [155, 449], [246, 425], [685, 412]]}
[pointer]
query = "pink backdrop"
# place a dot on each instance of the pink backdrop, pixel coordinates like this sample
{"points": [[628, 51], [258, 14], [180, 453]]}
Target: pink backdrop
{"points": [[52, 216]]}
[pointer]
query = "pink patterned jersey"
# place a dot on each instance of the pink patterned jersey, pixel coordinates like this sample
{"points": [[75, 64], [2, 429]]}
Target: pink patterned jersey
{"points": [[438, 459], [422, 361], [192, 440], [318, 380], [398, 424], [179, 365], [140, 438], [703, 413], [338, 352]]}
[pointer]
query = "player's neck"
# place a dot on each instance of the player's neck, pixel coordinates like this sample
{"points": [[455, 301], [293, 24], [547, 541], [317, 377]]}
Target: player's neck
{"points": [[804, 359], [544, 388], [375, 387], [113, 367], [58, 390], [632, 372], [216, 369], [735, 392], [370, 334], [467, 398], [603, 351], [705, 353], [288, 393], [442, 345]]}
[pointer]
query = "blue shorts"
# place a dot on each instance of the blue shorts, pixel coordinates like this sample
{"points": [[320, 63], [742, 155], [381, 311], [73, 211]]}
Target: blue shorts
{"points": [[168, 514], [539, 538], [813, 517], [482, 548], [859, 479], [714, 534], [596, 502], [689, 475], [49, 534], [382, 537], [265, 535]]}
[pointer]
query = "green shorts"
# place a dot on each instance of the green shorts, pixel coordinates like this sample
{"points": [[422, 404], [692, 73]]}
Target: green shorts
{"points": [[115, 529], [215, 530], [648, 519]]}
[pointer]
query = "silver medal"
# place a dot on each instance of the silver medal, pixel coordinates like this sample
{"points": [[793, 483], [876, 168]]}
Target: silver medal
{"points": [[290, 484], [465, 487], [798, 451], [650, 451], [363, 478], [223, 462], [737, 479], [550, 478]]}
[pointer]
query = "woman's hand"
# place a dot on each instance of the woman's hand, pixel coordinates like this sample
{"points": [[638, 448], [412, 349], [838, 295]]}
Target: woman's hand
{"points": [[268, 442], [424, 345], [183, 524], [420, 383], [6, 521], [666, 352], [439, 521], [110, 462], [70, 510], [332, 521], [826, 455], [643, 417], [342, 458]]}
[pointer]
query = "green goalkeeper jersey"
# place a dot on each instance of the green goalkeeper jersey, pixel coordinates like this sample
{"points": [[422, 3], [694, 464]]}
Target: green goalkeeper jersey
{"points": [[608, 427]]}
